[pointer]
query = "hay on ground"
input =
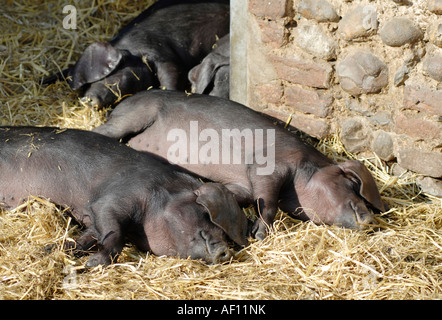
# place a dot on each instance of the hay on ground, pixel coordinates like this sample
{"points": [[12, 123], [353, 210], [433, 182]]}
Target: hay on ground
{"points": [[297, 261]]}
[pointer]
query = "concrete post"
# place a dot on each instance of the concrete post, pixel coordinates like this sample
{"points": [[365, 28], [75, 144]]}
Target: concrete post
{"points": [[238, 51]]}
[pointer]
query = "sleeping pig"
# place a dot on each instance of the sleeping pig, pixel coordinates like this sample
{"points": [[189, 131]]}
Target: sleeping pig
{"points": [[259, 162], [212, 75], [159, 47], [119, 194]]}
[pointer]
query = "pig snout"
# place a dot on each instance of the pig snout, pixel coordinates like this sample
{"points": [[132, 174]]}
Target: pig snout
{"points": [[99, 94], [91, 101], [221, 255], [217, 251], [364, 217], [357, 216]]}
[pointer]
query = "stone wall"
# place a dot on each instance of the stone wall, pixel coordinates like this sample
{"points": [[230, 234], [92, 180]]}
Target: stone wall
{"points": [[369, 70]]}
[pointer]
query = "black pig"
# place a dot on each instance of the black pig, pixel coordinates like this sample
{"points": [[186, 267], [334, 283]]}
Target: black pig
{"points": [[160, 46], [201, 133], [119, 194], [212, 75]]}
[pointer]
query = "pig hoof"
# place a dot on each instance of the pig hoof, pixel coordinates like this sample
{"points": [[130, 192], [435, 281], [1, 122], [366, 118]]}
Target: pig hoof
{"points": [[260, 235], [96, 260], [259, 230], [69, 246], [48, 248]]}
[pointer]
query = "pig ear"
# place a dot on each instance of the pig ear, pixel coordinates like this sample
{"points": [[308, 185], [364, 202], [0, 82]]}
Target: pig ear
{"points": [[97, 61], [368, 189], [203, 74], [224, 211]]}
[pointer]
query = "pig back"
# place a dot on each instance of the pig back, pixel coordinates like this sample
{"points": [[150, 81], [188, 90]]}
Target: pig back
{"points": [[46, 162], [215, 138], [64, 166]]}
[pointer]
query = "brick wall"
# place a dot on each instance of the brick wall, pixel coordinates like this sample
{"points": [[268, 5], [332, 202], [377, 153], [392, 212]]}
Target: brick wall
{"points": [[370, 70]]}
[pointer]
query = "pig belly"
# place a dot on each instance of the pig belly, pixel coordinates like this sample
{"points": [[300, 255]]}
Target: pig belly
{"points": [[17, 185]]}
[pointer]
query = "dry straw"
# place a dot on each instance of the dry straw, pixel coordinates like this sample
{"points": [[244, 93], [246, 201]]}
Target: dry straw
{"points": [[297, 261]]}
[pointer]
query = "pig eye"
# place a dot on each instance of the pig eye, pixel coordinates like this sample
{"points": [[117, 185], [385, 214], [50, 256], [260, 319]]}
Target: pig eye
{"points": [[356, 185]]}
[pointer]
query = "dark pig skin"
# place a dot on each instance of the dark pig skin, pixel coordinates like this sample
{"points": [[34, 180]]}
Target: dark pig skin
{"points": [[158, 48], [119, 194], [304, 183], [212, 75]]}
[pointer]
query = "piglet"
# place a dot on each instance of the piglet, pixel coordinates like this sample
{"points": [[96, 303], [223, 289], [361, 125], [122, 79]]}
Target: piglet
{"points": [[119, 194], [158, 48], [260, 162]]}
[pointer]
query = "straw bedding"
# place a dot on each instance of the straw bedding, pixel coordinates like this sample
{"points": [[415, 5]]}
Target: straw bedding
{"points": [[297, 261]]}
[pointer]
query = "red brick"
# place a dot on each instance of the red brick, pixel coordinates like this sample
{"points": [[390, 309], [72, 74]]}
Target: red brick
{"points": [[423, 99], [417, 127], [273, 9], [302, 71], [270, 93], [272, 33], [308, 101], [314, 127]]}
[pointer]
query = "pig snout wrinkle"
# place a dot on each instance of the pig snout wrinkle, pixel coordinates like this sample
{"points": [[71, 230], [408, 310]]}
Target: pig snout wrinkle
{"points": [[364, 218], [222, 255], [217, 251]]}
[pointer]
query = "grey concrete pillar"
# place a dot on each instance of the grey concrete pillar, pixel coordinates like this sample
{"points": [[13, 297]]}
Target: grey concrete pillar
{"points": [[238, 51]]}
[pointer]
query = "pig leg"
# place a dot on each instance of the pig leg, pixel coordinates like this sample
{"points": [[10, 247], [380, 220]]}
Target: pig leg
{"points": [[128, 120], [111, 240], [266, 214], [266, 197], [168, 74], [86, 242], [110, 245]]}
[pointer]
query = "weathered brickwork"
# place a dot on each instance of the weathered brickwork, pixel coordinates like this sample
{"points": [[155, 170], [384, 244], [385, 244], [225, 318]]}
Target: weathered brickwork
{"points": [[370, 70]]}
